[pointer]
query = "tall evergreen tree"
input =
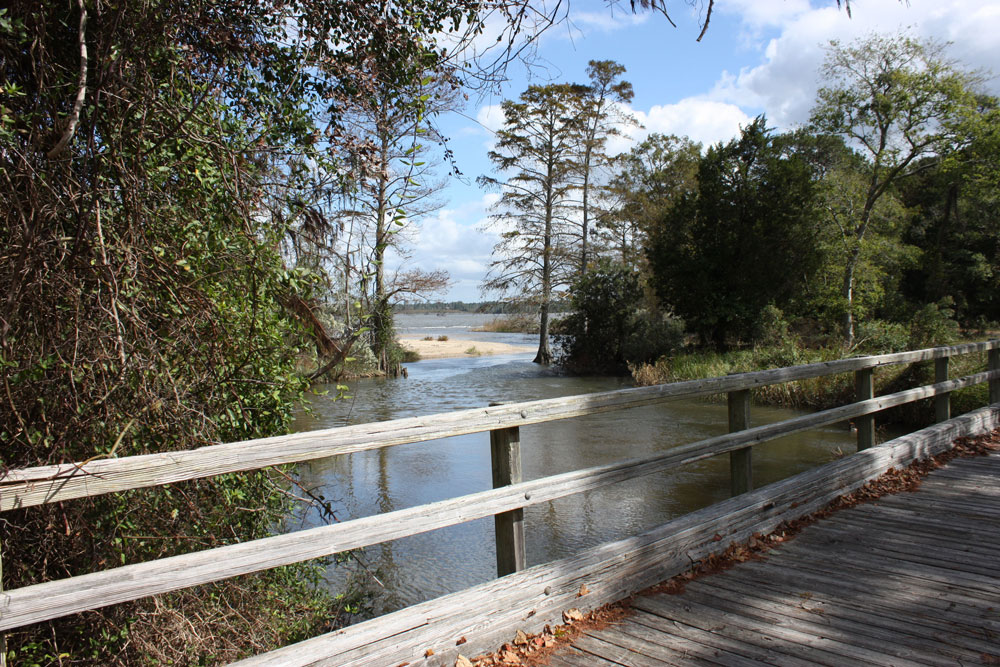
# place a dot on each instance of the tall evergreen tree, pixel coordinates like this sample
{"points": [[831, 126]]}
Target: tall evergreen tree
{"points": [[599, 118], [533, 258], [742, 242]]}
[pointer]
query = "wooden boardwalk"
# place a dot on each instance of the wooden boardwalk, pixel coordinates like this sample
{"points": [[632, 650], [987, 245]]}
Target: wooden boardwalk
{"points": [[912, 579]]}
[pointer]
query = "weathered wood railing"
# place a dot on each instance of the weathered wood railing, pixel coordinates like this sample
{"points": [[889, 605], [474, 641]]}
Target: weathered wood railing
{"points": [[35, 486]]}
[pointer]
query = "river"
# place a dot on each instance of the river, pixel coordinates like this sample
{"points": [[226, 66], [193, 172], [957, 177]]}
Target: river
{"points": [[429, 565]]}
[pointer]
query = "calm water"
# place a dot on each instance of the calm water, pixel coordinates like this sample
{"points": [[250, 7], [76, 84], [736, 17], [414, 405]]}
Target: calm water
{"points": [[427, 566]]}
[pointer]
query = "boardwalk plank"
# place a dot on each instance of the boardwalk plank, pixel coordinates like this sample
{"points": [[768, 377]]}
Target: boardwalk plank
{"points": [[626, 657], [907, 514], [861, 523], [794, 626], [821, 650], [949, 504], [573, 658], [642, 639], [675, 631], [883, 580], [910, 641], [960, 538], [972, 585], [909, 615], [896, 546]]}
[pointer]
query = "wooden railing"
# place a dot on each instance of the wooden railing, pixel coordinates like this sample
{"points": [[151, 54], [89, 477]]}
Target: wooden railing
{"points": [[36, 486]]}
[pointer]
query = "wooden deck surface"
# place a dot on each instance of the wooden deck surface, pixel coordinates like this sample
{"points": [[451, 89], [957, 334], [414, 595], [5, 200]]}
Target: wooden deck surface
{"points": [[913, 579]]}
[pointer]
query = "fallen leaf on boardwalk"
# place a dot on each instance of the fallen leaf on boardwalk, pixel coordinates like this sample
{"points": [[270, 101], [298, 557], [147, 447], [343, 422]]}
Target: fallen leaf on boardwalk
{"points": [[539, 641], [717, 538], [461, 641], [583, 590], [573, 614], [510, 658], [428, 653], [463, 661], [520, 639]]}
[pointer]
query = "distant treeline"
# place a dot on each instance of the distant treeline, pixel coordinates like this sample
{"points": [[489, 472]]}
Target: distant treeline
{"points": [[489, 307]]}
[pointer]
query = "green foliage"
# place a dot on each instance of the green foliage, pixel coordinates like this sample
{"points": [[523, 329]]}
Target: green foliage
{"points": [[743, 242], [932, 325], [881, 337], [607, 328], [647, 182], [896, 98], [953, 209], [146, 306]]}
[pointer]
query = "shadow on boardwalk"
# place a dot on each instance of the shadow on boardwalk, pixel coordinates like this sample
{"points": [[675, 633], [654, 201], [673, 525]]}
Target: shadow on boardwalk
{"points": [[910, 579]]}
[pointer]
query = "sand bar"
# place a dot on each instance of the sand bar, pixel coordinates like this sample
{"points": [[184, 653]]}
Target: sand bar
{"points": [[450, 349]]}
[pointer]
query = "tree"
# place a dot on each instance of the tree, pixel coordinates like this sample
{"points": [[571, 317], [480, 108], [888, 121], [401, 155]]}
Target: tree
{"points": [[743, 242], [892, 97], [391, 187], [599, 118], [647, 182], [146, 307], [953, 220], [533, 256]]}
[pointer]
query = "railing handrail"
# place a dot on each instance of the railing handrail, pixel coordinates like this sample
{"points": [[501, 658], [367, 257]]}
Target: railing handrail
{"points": [[39, 602], [46, 484]]}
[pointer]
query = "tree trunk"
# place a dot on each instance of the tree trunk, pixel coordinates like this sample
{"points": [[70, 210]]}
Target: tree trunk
{"points": [[848, 294], [544, 355]]}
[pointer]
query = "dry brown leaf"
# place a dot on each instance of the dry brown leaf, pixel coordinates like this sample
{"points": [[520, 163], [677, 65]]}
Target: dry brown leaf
{"points": [[573, 614], [520, 639], [462, 661], [583, 590], [428, 653], [461, 641], [510, 658]]}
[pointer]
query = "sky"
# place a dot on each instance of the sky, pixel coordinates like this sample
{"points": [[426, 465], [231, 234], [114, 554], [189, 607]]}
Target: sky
{"points": [[757, 57]]}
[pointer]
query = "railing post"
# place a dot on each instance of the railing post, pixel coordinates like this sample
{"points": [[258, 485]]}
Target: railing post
{"points": [[942, 402], [3, 637], [864, 387], [994, 365], [740, 460], [505, 453]]}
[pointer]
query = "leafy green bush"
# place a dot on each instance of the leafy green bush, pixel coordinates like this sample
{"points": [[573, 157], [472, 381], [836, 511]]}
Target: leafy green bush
{"points": [[933, 325], [881, 337]]}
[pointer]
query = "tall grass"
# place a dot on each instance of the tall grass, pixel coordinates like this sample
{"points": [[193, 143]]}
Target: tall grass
{"points": [[821, 392]]}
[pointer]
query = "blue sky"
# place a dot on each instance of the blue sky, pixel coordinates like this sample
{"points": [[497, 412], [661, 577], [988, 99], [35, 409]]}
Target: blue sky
{"points": [[758, 56]]}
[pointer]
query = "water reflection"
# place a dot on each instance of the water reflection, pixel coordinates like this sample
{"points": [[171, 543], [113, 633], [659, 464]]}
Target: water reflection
{"points": [[429, 565]]}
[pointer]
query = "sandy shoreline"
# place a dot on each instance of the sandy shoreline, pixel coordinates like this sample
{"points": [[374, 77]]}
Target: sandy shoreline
{"points": [[450, 349]]}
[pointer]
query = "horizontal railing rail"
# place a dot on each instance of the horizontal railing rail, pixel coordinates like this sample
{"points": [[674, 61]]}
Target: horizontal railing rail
{"points": [[53, 599], [55, 483]]}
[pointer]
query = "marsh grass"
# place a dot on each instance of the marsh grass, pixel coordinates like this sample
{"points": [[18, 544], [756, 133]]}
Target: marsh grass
{"points": [[821, 392]]}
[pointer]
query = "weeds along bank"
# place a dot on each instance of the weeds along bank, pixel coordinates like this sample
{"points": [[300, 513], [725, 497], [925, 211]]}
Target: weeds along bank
{"points": [[822, 392]]}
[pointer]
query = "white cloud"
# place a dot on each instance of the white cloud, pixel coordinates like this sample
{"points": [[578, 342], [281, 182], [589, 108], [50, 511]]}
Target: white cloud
{"points": [[704, 120], [490, 117], [784, 84], [453, 241]]}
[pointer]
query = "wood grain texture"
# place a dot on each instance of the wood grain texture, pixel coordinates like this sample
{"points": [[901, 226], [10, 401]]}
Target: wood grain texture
{"points": [[91, 591], [508, 527], [489, 614], [45, 484], [842, 593], [741, 460], [864, 389]]}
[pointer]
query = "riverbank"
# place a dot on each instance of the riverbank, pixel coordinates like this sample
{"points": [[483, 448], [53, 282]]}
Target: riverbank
{"points": [[457, 348], [817, 393]]}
